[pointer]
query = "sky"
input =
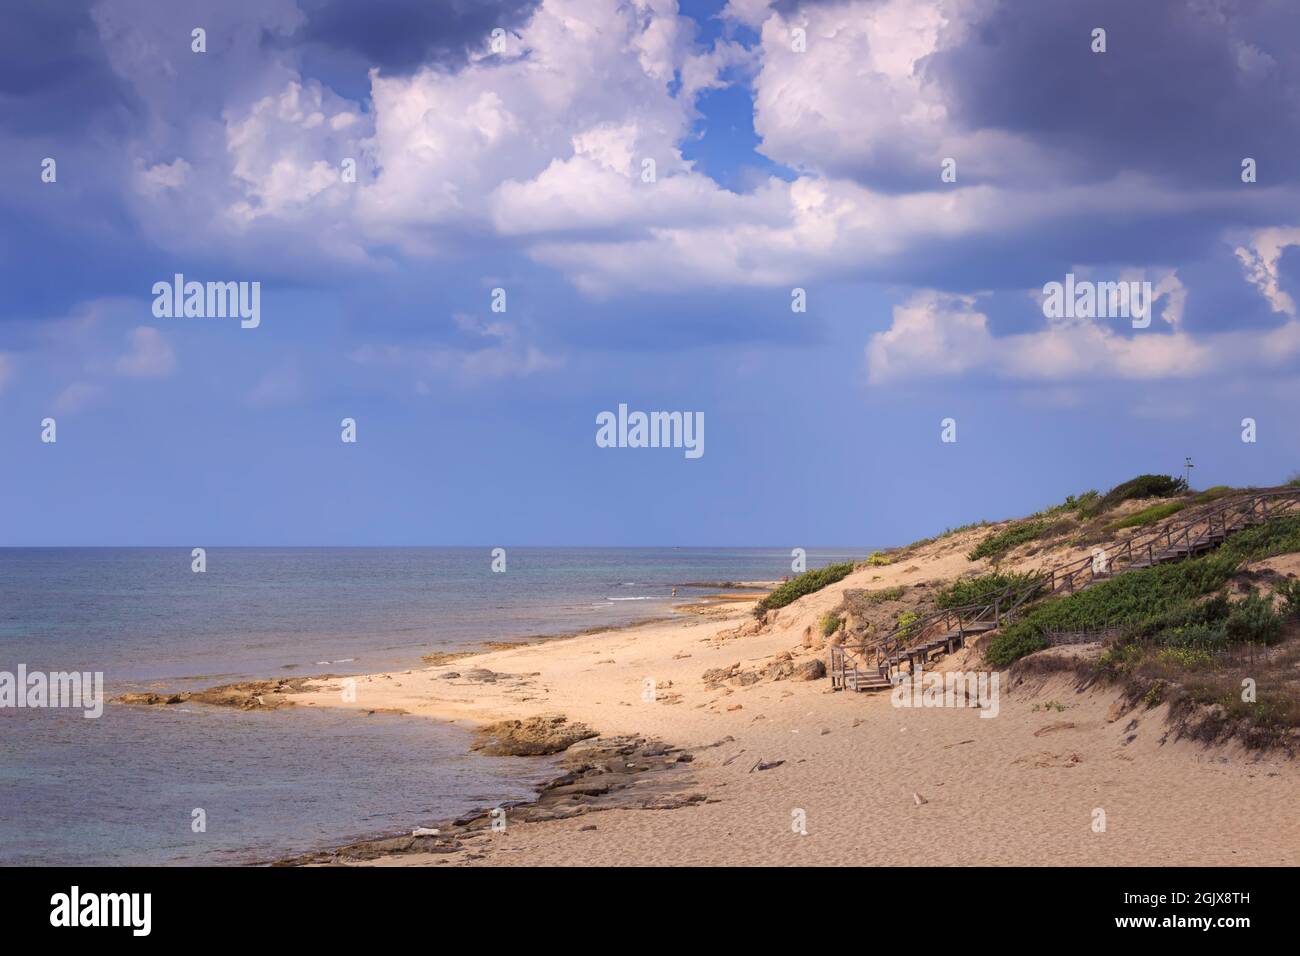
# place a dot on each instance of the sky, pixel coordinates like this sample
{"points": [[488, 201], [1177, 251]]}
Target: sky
{"points": [[647, 185]]}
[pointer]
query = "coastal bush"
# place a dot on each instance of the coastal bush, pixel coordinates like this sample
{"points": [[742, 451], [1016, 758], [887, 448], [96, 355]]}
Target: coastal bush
{"points": [[883, 594], [1253, 621], [1150, 515], [1213, 494], [830, 623], [1012, 536], [1158, 597], [1143, 486], [1289, 591], [1073, 503], [1178, 604], [878, 559], [906, 622], [805, 583], [979, 590]]}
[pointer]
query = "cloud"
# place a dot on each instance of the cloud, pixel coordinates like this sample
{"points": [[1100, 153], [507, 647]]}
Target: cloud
{"points": [[1260, 257], [278, 386], [506, 357], [150, 355], [937, 335], [77, 397]]}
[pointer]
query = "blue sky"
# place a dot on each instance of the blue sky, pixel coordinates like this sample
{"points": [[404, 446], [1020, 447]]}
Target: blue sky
{"points": [[521, 169]]}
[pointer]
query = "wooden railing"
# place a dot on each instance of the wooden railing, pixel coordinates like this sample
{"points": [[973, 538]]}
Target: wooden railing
{"points": [[1182, 536]]}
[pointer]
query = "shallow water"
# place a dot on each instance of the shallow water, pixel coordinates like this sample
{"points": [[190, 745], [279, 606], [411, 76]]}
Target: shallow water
{"points": [[123, 788]]}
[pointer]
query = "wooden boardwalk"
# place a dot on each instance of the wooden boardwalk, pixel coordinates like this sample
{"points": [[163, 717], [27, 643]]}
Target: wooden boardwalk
{"points": [[874, 666]]}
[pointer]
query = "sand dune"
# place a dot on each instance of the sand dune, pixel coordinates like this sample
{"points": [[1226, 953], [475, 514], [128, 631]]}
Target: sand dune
{"points": [[876, 783]]}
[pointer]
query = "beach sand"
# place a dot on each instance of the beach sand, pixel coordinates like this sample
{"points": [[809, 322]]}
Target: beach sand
{"points": [[876, 783]]}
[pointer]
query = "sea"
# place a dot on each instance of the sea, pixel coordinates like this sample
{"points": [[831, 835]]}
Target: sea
{"points": [[190, 784]]}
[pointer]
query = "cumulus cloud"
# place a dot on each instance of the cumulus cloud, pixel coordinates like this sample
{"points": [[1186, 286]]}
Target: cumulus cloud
{"points": [[937, 335], [1260, 256]]}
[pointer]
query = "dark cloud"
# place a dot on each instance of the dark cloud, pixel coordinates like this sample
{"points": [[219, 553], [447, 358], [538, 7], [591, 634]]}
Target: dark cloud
{"points": [[53, 72], [1184, 90], [344, 39]]}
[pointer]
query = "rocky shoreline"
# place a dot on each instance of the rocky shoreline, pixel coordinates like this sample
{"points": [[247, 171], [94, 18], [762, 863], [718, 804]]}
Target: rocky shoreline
{"points": [[615, 773]]}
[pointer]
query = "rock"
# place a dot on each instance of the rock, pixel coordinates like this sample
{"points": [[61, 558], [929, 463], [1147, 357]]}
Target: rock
{"points": [[149, 700], [534, 737], [814, 669], [918, 799], [481, 674]]}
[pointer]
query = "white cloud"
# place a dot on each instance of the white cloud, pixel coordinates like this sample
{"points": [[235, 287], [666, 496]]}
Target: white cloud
{"points": [[150, 355], [935, 335], [505, 357], [1260, 256]]}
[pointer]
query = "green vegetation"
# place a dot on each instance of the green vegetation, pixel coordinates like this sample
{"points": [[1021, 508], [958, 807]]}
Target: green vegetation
{"points": [[1294, 481], [1074, 503], [1213, 494], [830, 623], [1012, 536], [1146, 516], [1143, 486], [1166, 605], [805, 583], [883, 595], [878, 559], [906, 620], [979, 590], [1289, 591]]}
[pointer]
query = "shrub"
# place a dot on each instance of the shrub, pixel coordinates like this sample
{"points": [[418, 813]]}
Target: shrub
{"points": [[1072, 503], [1289, 591], [1185, 657], [1143, 486], [883, 595], [1213, 494], [1012, 536], [805, 583], [830, 623], [979, 590], [1150, 515], [1294, 481], [1253, 621], [1149, 599], [878, 559], [906, 620]]}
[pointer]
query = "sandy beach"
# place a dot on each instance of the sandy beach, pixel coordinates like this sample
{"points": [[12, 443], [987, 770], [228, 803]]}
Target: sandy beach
{"points": [[865, 781]]}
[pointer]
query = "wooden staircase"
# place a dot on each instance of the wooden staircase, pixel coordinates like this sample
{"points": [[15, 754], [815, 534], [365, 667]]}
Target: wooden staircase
{"points": [[868, 667]]}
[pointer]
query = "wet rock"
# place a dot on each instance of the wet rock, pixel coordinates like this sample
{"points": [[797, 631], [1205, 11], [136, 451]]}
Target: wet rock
{"points": [[534, 737]]}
